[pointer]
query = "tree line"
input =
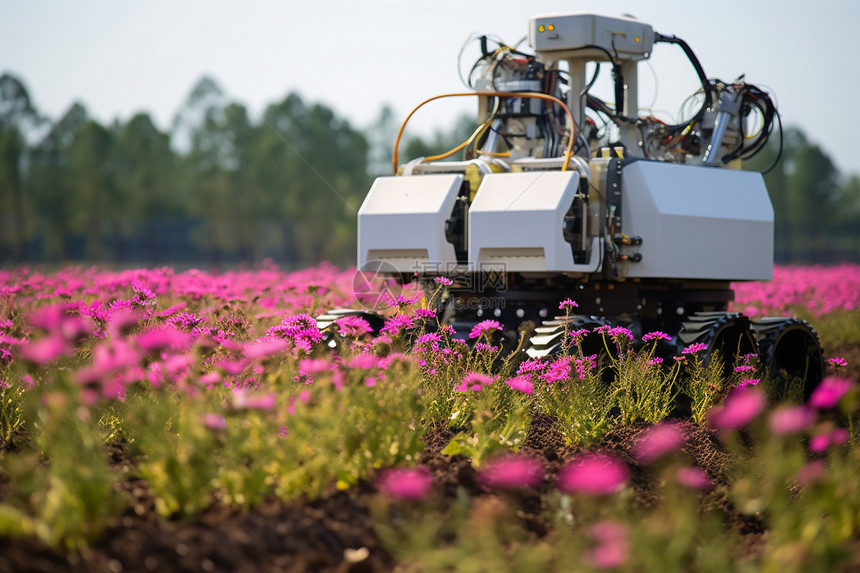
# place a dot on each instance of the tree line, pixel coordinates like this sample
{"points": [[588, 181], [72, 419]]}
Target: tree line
{"points": [[223, 186]]}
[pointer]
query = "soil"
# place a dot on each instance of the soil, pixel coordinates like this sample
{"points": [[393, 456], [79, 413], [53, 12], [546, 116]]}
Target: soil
{"points": [[335, 533]]}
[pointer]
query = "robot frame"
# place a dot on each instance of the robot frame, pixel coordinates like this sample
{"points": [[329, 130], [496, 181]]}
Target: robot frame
{"points": [[562, 195]]}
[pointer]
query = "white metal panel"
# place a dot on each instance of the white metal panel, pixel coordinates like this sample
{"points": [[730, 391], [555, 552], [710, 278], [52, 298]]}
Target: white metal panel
{"points": [[697, 222], [402, 222], [515, 221]]}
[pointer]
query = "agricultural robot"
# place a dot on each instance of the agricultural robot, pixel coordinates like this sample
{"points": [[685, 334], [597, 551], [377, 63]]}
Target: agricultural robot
{"points": [[560, 194]]}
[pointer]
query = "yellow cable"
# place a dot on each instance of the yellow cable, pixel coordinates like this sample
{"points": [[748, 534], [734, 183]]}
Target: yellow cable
{"points": [[568, 150]]}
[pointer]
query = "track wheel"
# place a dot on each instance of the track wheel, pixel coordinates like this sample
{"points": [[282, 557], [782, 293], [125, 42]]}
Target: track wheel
{"points": [[326, 321], [726, 334], [790, 349], [549, 336]]}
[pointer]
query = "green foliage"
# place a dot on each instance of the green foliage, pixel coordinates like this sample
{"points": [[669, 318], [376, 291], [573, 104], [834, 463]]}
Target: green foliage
{"points": [[11, 413], [69, 501]]}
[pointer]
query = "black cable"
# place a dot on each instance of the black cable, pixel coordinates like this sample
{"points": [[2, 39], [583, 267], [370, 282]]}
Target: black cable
{"points": [[700, 72], [778, 153]]}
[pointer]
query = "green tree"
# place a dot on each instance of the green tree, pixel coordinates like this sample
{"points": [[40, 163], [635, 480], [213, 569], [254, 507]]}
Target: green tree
{"points": [[145, 169], [51, 181], [804, 189], [92, 186], [314, 164], [18, 117]]}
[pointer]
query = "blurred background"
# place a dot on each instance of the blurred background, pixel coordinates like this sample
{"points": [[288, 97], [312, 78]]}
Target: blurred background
{"points": [[200, 134]]}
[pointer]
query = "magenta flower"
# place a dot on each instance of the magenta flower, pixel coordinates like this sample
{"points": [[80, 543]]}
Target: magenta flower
{"points": [[620, 334], [443, 281], [473, 381], [425, 313], [567, 305], [593, 474], [396, 324], [429, 338], [747, 382], [812, 472], [521, 384], [657, 335], [485, 328], [837, 362], [264, 348], [558, 370], [163, 338], [364, 361], [694, 348], [791, 420], [45, 349], [657, 441], [693, 478], [821, 442], [740, 407], [828, 393], [213, 421], [408, 484], [612, 546], [655, 361], [243, 401], [352, 325], [512, 471]]}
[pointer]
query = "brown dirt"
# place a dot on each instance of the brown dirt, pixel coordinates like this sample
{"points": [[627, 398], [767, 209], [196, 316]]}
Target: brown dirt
{"points": [[315, 535]]}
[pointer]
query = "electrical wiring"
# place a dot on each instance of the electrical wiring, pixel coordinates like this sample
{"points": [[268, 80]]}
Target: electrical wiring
{"points": [[568, 150]]}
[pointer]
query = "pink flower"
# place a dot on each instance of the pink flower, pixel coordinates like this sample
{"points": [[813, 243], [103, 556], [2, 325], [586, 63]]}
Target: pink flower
{"points": [[404, 483], [657, 441], [265, 348], [45, 349], [837, 362], [473, 381], [791, 419], [213, 421], [821, 442], [619, 334], [242, 401], [593, 474], [693, 478], [512, 471], [657, 335], [558, 370], [312, 366], [429, 338], [163, 338], [396, 324], [740, 407], [521, 383], [694, 348], [828, 393], [425, 313], [443, 281], [485, 328], [812, 472], [567, 305], [612, 544], [352, 325]]}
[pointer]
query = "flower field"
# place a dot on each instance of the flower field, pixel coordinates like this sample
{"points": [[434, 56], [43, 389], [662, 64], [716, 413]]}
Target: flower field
{"points": [[155, 420]]}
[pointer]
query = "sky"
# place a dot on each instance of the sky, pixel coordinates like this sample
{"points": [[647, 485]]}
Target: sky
{"points": [[121, 58]]}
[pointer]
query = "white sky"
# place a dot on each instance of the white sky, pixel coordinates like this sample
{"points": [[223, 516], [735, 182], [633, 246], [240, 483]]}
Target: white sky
{"points": [[119, 58]]}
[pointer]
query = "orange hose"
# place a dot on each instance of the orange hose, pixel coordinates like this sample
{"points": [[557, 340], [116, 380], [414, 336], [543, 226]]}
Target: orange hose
{"points": [[567, 152]]}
